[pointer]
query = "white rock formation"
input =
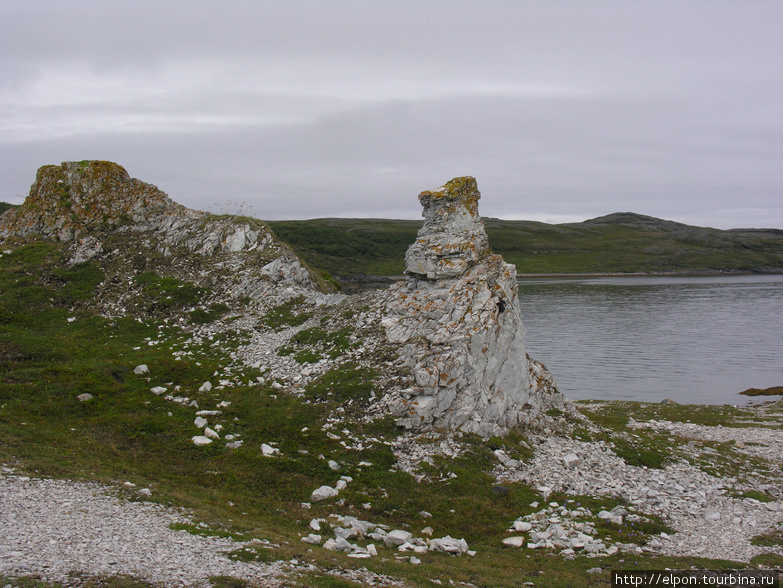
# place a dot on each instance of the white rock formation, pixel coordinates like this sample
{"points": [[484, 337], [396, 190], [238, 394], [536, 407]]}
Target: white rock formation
{"points": [[459, 327]]}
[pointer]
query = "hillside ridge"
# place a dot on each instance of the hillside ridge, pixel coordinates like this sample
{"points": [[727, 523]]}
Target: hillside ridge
{"points": [[615, 243]]}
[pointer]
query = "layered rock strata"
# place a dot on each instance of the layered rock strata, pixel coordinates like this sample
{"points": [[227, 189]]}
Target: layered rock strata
{"points": [[459, 328]]}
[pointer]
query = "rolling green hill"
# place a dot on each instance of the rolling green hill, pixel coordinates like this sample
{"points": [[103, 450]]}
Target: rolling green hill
{"points": [[617, 243]]}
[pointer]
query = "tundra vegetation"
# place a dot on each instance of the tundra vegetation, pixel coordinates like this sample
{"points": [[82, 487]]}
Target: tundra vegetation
{"points": [[101, 274], [53, 347], [617, 243]]}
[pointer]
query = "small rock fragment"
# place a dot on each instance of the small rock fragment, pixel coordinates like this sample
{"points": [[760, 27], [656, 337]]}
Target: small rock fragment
{"points": [[514, 541]]}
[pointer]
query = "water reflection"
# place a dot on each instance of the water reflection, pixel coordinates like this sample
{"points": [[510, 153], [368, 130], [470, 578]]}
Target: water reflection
{"points": [[699, 340]]}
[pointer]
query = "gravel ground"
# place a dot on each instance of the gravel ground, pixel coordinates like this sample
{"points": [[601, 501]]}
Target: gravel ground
{"points": [[52, 528]]}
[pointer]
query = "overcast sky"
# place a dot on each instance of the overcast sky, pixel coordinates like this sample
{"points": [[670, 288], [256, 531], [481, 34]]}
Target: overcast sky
{"points": [[562, 110]]}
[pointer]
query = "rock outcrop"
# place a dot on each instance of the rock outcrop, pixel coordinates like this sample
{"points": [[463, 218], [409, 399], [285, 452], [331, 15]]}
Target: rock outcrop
{"points": [[458, 324], [98, 211], [69, 200], [454, 325]]}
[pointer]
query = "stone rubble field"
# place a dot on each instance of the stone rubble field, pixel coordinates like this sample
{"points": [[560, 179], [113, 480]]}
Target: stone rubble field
{"points": [[59, 530], [709, 521], [52, 528]]}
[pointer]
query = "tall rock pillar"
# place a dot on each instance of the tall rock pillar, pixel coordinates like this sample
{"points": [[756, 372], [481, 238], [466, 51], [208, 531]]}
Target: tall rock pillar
{"points": [[458, 323]]}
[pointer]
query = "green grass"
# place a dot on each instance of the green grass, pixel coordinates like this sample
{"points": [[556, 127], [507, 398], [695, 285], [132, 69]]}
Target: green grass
{"points": [[313, 344], [126, 433], [346, 382], [5, 206], [771, 539], [287, 315], [213, 313], [168, 292], [203, 530]]}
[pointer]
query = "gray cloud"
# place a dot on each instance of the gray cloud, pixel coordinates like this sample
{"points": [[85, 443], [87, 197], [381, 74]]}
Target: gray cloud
{"points": [[562, 110]]}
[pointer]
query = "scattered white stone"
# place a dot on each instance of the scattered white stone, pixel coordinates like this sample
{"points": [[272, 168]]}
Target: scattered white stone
{"points": [[343, 545], [200, 422], [449, 545], [85, 397], [210, 433], [333, 465], [200, 440], [514, 541], [312, 539], [145, 492], [158, 390], [323, 493], [341, 485], [397, 537], [415, 560], [205, 387], [141, 369], [268, 450]]}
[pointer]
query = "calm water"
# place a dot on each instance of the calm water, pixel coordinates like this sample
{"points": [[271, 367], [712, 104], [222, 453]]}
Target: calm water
{"points": [[694, 340]]}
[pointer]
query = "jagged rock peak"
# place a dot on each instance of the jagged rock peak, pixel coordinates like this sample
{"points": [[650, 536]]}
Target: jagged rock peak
{"points": [[453, 237]]}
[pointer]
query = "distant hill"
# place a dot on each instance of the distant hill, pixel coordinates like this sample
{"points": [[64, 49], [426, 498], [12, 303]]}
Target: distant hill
{"points": [[617, 243], [622, 242]]}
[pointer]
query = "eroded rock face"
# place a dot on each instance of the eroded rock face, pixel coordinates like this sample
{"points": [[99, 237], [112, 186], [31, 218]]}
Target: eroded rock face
{"points": [[453, 236], [459, 326], [88, 204], [68, 199]]}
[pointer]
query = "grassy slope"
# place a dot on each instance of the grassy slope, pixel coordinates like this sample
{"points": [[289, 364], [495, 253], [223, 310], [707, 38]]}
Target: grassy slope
{"points": [[5, 206], [127, 433], [351, 247]]}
